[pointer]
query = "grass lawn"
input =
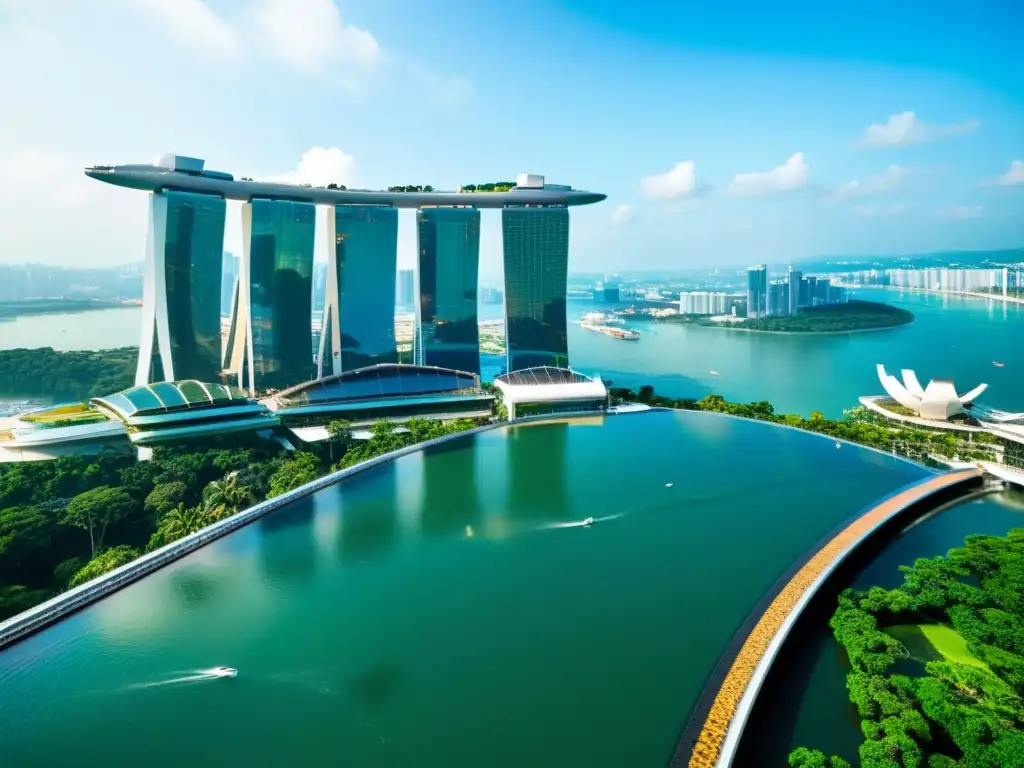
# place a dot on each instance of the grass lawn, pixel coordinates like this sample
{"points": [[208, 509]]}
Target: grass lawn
{"points": [[935, 642]]}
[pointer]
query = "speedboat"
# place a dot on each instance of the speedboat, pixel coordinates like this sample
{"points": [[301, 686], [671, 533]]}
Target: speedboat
{"points": [[998, 364], [224, 672], [588, 521]]}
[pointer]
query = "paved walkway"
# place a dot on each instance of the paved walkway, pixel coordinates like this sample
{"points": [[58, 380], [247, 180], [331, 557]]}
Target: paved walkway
{"points": [[725, 721]]}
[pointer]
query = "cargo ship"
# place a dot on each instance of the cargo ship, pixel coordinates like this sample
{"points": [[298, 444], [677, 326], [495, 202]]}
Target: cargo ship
{"points": [[618, 333]]}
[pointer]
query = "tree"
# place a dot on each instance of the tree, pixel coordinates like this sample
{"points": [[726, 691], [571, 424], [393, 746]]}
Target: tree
{"points": [[179, 522], [339, 436], [15, 599], [25, 536], [300, 468], [165, 497], [95, 510], [104, 562], [223, 498]]}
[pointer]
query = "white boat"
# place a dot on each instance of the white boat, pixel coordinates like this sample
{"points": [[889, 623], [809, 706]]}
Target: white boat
{"points": [[714, 373], [224, 672], [588, 521]]}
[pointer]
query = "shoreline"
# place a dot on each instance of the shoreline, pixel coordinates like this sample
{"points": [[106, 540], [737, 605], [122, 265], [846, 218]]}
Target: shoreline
{"points": [[940, 292], [728, 327]]}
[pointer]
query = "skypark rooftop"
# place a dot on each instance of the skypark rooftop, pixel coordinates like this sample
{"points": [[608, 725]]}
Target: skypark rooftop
{"points": [[186, 174]]}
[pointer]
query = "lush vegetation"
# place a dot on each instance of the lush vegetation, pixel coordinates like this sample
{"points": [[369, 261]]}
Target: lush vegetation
{"points": [[66, 521], [832, 318], [64, 416], [65, 376], [858, 426], [412, 188], [51, 306], [937, 664], [494, 186]]}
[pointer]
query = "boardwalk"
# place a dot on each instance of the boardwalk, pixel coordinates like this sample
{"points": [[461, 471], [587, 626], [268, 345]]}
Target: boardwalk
{"points": [[724, 723]]}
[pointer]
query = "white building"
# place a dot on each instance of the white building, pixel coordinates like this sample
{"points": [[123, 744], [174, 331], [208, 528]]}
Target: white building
{"points": [[547, 391], [703, 303]]}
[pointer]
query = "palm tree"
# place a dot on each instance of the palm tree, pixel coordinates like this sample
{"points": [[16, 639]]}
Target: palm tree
{"points": [[223, 498], [182, 521]]}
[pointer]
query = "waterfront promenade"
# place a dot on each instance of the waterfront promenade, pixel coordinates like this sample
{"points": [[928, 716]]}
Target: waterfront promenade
{"points": [[723, 721]]}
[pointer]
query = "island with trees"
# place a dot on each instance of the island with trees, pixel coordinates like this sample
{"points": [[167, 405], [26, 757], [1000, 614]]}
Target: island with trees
{"points": [[937, 664], [844, 317]]}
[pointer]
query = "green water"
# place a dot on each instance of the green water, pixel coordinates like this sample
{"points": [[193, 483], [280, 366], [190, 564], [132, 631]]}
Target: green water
{"points": [[805, 702], [952, 337], [431, 613]]}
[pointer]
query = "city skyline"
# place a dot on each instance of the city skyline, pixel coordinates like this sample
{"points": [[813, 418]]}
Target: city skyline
{"points": [[782, 165]]}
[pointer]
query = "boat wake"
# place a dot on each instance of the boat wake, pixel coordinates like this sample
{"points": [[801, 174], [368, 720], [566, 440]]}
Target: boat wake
{"points": [[196, 676], [581, 523]]}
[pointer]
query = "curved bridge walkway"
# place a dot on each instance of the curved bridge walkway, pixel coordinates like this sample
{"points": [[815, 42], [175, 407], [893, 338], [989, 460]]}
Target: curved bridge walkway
{"points": [[723, 725]]}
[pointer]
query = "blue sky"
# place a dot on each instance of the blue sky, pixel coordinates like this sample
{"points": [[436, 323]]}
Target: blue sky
{"points": [[760, 111]]}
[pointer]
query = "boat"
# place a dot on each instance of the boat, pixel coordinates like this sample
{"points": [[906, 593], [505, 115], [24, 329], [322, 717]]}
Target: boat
{"points": [[588, 521], [714, 373], [998, 365], [224, 672], [617, 333]]}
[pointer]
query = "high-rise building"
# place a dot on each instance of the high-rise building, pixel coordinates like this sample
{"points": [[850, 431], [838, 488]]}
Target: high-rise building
{"points": [[535, 241], [406, 287], [228, 278], [359, 309], [778, 298], [757, 291], [271, 332], [181, 293], [449, 259], [703, 303], [795, 286]]}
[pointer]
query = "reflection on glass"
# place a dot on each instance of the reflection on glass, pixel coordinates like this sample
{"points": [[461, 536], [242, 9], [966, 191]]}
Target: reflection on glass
{"points": [[449, 246], [359, 313], [450, 502], [279, 237], [379, 382], [189, 228], [369, 514], [536, 249], [537, 451]]}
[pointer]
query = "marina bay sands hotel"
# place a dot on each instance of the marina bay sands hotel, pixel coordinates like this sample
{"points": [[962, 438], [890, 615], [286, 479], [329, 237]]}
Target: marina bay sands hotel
{"points": [[269, 343]]}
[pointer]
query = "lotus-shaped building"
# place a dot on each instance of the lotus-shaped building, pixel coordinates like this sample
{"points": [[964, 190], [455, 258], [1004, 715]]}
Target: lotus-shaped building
{"points": [[938, 401]]}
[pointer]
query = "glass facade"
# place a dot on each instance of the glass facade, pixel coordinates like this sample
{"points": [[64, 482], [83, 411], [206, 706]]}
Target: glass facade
{"points": [[193, 246], [449, 246], [362, 289], [385, 381], [757, 292], [280, 236], [536, 250]]}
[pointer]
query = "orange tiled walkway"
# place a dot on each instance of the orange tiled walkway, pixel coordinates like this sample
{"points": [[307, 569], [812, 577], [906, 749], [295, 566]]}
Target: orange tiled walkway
{"points": [[709, 743]]}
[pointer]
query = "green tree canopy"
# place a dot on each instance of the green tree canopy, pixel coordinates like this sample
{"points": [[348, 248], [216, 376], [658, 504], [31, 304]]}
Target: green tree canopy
{"points": [[95, 510], [105, 561]]}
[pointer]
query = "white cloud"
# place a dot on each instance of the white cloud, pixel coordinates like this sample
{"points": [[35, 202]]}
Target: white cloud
{"points": [[1011, 178], [879, 210], [320, 166], [195, 25], [886, 183], [903, 129], [623, 214], [310, 36], [680, 181], [793, 175], [961, 212]]}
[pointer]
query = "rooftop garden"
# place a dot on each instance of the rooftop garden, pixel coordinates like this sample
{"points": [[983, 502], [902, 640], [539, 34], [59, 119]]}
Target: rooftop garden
{"points": [[494, 186], [411, 188]]}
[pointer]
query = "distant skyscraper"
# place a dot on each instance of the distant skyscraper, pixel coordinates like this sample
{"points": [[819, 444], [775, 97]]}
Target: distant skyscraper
{"points": [[229, 275], [359, 311], [406, 287], [271, 333], [757, 291], [181, 294], [449, 258], [795, 279], [536, 250], [778, 298]]}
